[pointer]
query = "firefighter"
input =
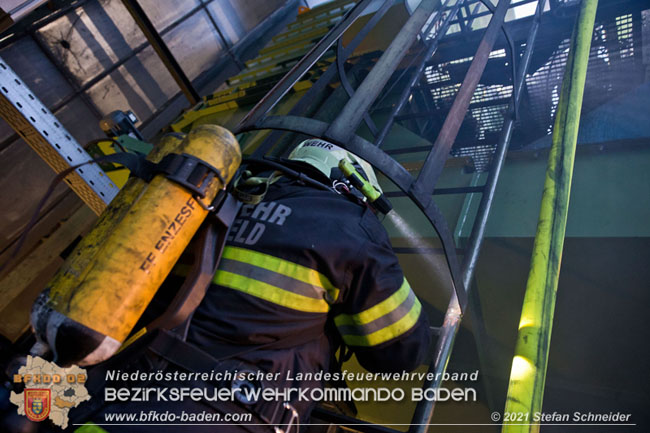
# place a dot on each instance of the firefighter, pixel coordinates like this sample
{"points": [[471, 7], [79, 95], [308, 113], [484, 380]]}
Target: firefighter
{"points": [[305, 271]]}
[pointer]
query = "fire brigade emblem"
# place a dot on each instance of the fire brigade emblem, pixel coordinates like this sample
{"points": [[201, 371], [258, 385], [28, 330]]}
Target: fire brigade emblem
{"points": [[37, 404], [50, 391]]}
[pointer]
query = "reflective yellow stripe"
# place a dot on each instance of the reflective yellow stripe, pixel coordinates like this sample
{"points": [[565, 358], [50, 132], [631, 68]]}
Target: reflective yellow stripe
{"points": [[284, 267], [382, 322], [271, 293], [395, 330], [384, 307]]}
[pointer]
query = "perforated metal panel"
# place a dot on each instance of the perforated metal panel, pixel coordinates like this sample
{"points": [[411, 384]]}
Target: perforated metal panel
{"points": [[616, 66], [41, 130]]}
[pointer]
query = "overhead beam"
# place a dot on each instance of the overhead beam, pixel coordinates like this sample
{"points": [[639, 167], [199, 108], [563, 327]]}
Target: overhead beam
{"points": [[161, 48]]}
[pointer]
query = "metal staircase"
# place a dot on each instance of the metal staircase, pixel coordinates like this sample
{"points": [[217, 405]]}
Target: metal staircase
{"points": [[456, 75], [477, 93]]}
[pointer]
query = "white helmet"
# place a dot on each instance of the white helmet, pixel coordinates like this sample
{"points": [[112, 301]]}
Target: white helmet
{"points": [[324, 156]]}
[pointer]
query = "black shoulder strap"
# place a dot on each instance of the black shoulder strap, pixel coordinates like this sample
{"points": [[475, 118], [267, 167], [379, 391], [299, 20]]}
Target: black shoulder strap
{"points": [[211, 241], [187, 170]]}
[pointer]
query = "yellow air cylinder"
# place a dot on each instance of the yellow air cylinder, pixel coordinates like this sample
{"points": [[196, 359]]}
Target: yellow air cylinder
{"points": [[96, 298]]}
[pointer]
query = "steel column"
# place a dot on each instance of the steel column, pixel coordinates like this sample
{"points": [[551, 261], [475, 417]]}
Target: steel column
{"points": [[478, 230], [340, 61], [442, 191]]}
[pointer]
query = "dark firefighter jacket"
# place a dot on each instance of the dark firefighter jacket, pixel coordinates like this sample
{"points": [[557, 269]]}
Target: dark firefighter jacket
{"points": [[313, 262]]}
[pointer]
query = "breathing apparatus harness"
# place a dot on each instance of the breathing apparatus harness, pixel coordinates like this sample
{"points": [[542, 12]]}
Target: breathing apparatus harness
{"points": [[163, 339]]}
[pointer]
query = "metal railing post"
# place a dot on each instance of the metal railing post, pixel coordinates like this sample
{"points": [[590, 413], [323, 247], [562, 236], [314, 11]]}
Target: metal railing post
{"points": [[449, 329]]}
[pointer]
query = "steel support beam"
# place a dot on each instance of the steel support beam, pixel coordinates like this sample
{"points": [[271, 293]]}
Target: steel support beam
{"points": [[442, 191], [347, 122], [19, 11], [477, 235], [340, 61], [509, 40], [38, 19], [162, 50]]}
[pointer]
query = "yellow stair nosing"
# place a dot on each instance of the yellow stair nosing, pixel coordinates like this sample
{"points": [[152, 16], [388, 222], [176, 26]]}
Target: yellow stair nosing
{"points": [[315, 24], [305, 36]]}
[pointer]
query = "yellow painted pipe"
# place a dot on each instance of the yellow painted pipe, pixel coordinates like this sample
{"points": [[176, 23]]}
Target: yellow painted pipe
{"points": [[528, 374]]}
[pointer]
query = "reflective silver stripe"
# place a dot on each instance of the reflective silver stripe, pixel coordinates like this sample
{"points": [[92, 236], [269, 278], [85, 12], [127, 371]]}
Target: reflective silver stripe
{"points": [[272, 278]]}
